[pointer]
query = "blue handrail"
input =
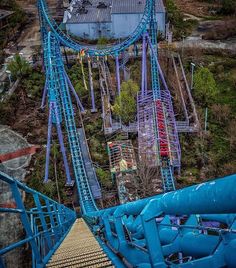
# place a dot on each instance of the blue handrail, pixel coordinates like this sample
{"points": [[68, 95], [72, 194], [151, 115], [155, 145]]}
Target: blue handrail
{"points": [[46, 224]]}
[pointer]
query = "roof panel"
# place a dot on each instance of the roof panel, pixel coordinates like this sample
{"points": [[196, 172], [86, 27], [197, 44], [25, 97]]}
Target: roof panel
{"points": [[133, 6], [95, 14]]}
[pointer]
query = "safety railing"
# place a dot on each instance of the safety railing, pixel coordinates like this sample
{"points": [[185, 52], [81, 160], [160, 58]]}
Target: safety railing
{"points": [[45, 222]]}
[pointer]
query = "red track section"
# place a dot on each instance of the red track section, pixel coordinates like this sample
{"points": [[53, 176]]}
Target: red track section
{"points": [[19, 153], [164, 148]]}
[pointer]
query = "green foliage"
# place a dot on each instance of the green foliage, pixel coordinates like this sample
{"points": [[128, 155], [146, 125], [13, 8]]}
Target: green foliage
{"points": [[102, 42], [36, 178], [181, 27], [125, 104], [228, 7], [205, 88], [19, 67], [212, 154], [75, 74], [34, 84], [16, 20], [104, 177]]}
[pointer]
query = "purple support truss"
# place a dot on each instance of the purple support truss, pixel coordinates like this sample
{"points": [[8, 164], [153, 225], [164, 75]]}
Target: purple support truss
{"points": [[62, 146], [145, 75], [169, 116], [170, 121], [45, 90], [48, 143], [118, 74], [148, 152], [53, 111], [93, 110], [74, 93], [143, 64]]}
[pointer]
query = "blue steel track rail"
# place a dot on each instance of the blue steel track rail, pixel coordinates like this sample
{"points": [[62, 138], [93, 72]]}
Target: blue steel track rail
{"points": [[168, 230], [65, 40], [57, 85]]}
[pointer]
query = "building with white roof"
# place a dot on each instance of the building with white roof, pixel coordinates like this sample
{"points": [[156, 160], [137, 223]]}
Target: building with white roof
{"points": [[92, 19]]}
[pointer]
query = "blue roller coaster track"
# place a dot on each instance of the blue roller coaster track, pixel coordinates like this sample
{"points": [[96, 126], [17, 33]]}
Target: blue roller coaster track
{"points": [[191, 227]]}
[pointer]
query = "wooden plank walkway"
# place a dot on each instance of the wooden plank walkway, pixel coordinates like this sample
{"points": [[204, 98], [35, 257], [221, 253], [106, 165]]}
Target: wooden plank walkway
{"points": [[79, 249]]}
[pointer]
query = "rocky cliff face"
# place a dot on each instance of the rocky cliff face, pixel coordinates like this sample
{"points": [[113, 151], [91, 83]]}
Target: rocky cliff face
{"points": [[55, 6], [10, 223]]}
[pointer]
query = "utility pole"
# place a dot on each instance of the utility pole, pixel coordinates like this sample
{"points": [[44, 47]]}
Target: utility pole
{"points": [[192, 73], [206, 118], [9, 76], [182, 50]]}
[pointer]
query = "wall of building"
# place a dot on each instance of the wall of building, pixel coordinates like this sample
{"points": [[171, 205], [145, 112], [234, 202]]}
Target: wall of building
{"points": [[90, 30], [122, 26]]}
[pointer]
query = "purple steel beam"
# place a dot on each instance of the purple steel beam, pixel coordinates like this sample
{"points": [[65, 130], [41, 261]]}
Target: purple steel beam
{"points": [[118, 74], [74, 92], [146, 79], [62, 146], [45, 90], [91, 86], [173, 134], [146, 131], [48, 142], [143, 64]]}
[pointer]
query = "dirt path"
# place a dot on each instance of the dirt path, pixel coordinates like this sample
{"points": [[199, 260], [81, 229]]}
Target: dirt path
{"points": [[30, 36], [194, 7]]}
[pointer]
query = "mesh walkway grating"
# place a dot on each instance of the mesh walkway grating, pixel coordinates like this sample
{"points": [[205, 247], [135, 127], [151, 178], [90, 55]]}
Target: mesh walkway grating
{"points": [[79, 249]]}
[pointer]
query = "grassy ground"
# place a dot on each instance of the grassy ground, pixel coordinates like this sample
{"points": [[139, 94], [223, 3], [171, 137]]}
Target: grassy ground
{"points": [[212, 153]]}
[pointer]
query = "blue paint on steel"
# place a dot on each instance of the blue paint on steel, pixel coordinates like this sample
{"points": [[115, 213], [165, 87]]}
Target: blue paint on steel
{"points": [[45, 89], [143, 64], [49, 23], [91, 174], [53, 76], [118, 74], [74, 92], [62, 146], [144, 233], [48, 229]]}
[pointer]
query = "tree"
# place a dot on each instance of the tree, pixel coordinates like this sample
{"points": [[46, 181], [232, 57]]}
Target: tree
{"points": [[104, 178], [102, 42], [19, 67], [125, 104], [181, 27], [205, 88], [148, 181], [231, 135], [228, 7]]}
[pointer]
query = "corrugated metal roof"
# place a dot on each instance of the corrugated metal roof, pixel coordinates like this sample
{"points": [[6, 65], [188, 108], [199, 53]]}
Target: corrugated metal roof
{"points": [[133, 6], [95, 14]]}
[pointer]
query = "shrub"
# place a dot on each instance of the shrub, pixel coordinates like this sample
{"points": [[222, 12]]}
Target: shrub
{"points": [[205, 88], [125, 104]]}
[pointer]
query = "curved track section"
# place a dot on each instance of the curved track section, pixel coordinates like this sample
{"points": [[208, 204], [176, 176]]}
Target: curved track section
{"points": [[57, 85], [48, 21]]}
